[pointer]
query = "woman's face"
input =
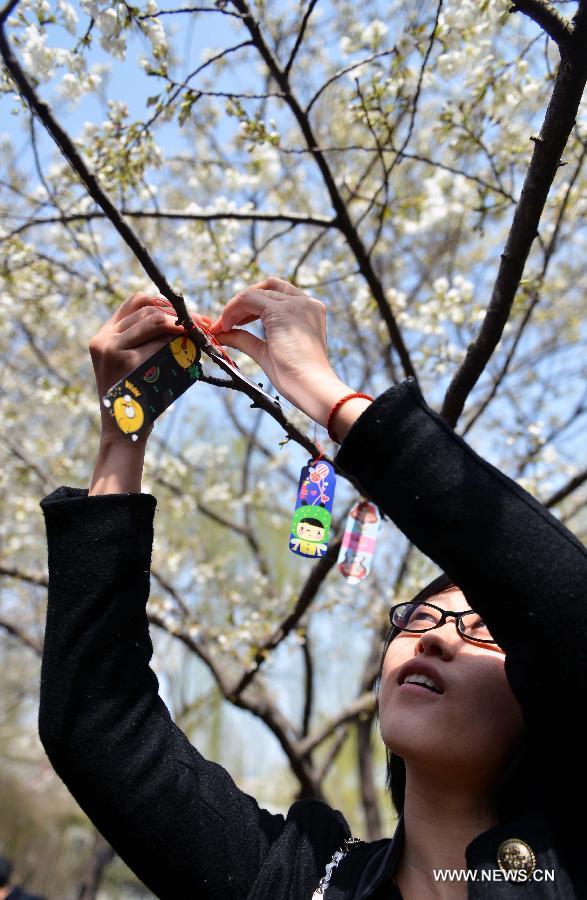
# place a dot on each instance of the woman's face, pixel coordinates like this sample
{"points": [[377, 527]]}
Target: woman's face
{"points": [[473, 726]]}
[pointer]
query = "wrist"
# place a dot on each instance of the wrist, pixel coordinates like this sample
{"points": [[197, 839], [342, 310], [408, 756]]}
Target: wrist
{"points": [[119, 466], [316, 395], [121, 443], [342, 418], [326, 392]]}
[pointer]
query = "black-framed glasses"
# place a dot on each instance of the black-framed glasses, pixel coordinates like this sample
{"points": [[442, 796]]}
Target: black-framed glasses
{"points": [[418, 617]]}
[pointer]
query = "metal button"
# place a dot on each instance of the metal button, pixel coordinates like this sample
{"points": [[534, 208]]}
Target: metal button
{"points": [[515, 855]]}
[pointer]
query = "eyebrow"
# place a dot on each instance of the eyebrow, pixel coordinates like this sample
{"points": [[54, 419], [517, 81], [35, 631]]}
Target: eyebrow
{"points": [[454, 611]]}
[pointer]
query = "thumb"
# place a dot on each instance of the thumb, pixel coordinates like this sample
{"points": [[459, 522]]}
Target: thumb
{"points": [[245, 341]]}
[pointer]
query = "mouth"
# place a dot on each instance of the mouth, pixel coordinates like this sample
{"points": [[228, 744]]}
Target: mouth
{"points": [[420, 678], [418, 689]]}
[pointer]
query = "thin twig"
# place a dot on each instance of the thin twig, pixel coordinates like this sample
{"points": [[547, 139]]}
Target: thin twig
{"points": [[173, 215], [300, 36], [416, 99]]}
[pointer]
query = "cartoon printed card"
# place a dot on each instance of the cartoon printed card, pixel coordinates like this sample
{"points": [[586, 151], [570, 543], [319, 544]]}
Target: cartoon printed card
{"points": [[138, 398], [310, 526], [358, 541]]}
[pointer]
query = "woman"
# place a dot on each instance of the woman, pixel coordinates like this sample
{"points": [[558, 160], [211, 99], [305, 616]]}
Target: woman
{"points": [[487, 760]]}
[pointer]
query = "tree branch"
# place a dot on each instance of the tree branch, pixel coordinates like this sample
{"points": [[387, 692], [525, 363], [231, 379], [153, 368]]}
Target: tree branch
{"points": [[339, 74], [545, 15], [308, 684], [333, 750], [175, 215], [363, 704], [580, 17], [31, 464], [548, 148], [248, 528], [563, 492], [36, 578], [366, 778], [15, 632], [414, 110], [536, 296], [390, 148], [189, 9], [569, 514], [39, 580], [300, 37]]}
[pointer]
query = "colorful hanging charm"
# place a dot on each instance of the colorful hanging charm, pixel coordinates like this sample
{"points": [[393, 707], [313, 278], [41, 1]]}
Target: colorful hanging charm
{"points": [[310, 525], [358, 541], [137, 399]]}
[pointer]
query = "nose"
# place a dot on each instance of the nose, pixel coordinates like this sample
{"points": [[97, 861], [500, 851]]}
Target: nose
{"points": [[443, 641]]}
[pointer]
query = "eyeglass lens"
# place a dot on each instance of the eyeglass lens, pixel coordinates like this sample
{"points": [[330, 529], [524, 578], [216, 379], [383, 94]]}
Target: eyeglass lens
{"points": [[423, 616]]}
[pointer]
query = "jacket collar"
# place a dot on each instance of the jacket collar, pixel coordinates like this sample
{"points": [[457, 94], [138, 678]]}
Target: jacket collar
{"points": [[370, 865], [381, 865], [484, 852]]}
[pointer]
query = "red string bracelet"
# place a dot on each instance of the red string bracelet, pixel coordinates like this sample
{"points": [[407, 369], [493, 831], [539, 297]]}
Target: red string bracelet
{"points": [[337, 406]]}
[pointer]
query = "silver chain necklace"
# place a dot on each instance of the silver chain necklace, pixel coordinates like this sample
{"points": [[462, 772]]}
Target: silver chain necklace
{"points": [[346, 846]]}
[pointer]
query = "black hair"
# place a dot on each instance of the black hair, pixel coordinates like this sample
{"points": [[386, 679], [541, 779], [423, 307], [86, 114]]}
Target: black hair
{"points": [[516, 788], [315, 522], [5, 870]]}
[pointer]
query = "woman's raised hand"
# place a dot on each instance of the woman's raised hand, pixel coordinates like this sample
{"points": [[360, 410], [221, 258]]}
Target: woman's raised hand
{"points": [[294, 355], [140, 326]]}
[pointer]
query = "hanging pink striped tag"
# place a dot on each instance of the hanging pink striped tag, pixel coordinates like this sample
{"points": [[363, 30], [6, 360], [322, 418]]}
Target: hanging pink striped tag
{"points": [[358, 542]]}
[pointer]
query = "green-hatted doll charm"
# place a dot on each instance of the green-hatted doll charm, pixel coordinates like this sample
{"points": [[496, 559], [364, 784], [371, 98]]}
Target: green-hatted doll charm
{"points": [[310, 525]]}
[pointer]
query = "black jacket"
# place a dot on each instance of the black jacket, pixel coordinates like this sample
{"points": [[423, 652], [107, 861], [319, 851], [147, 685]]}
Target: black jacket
{"points": [[18, 893], [178, 820]]}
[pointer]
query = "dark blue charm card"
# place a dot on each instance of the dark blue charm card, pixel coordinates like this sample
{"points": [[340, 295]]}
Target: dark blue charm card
{"points": [[137, 399], [310, 525]]}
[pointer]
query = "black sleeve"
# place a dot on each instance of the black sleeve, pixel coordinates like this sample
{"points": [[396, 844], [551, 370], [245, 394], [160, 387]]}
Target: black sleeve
{"points": [[519, 567], [177, 819]]}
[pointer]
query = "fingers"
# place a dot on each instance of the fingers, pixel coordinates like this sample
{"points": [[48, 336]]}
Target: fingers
{"points": [[246, 342], [274, 283], [154, 324], [167, 307], [245, 307], [248, 319], [147, 311], [142, 313], [130, 305], [141, 300], [149, 325]]}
